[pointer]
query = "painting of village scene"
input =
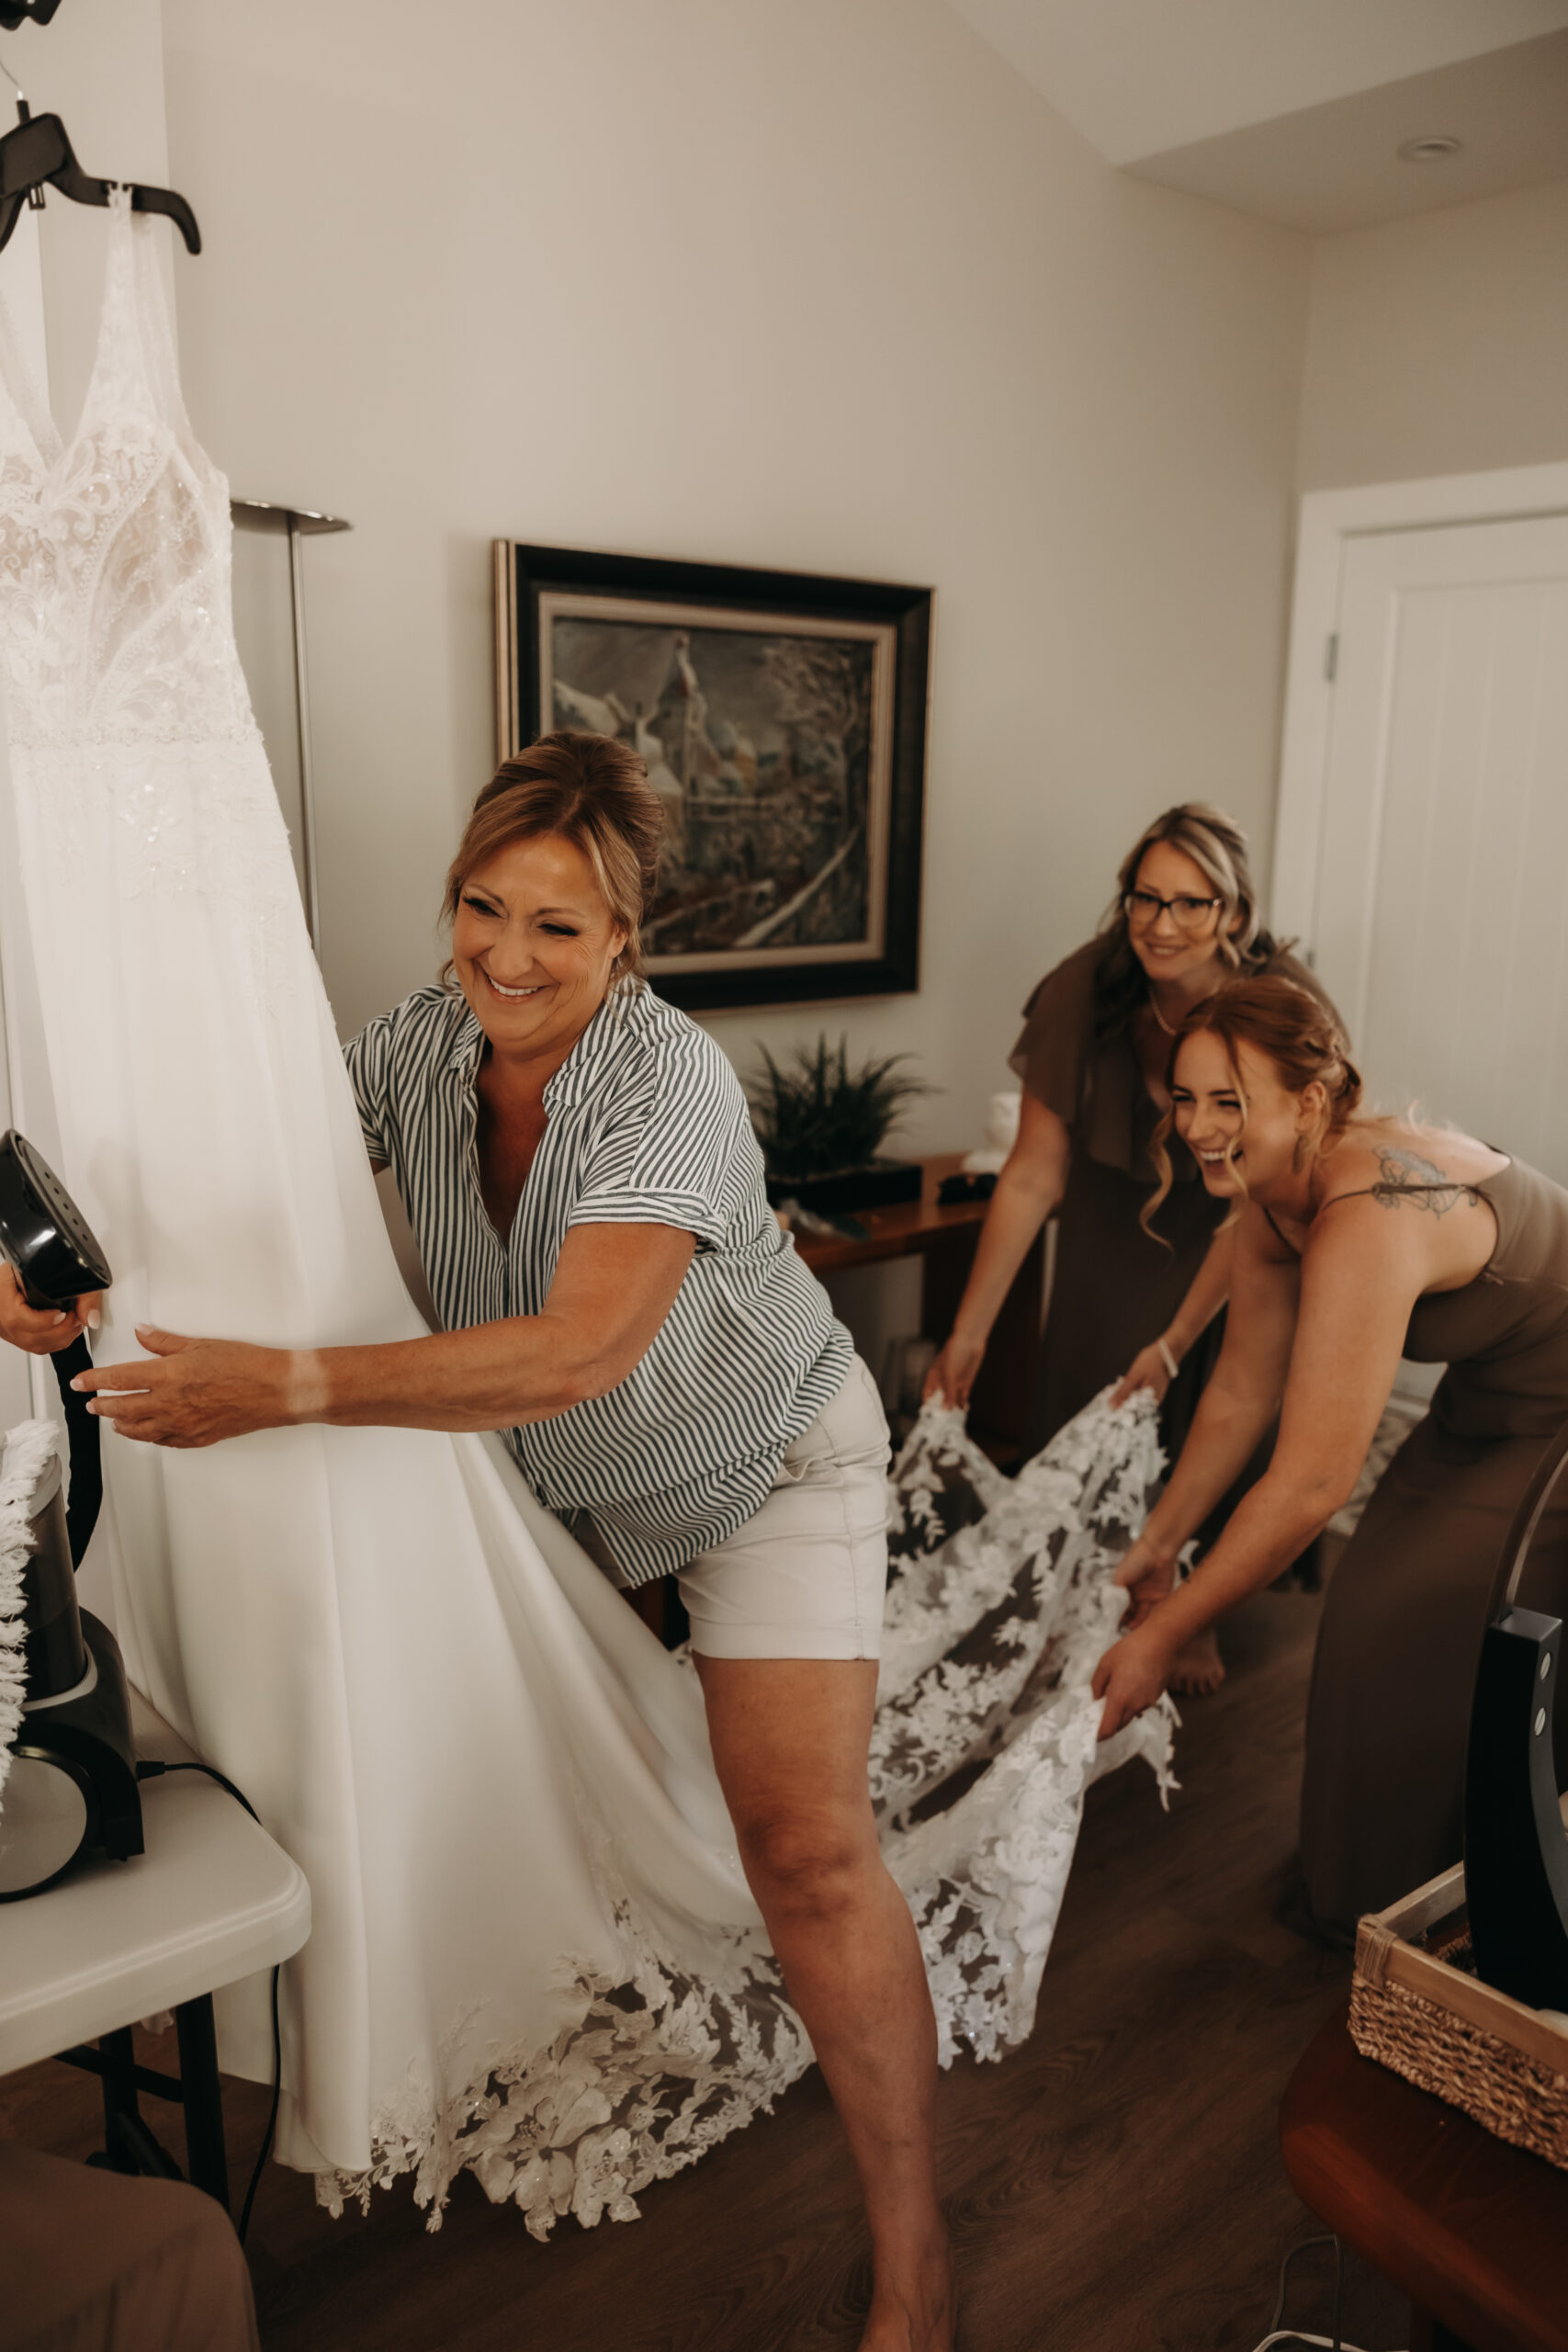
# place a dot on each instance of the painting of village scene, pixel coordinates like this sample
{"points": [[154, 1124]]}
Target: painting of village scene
{"points": [[768, 740]]}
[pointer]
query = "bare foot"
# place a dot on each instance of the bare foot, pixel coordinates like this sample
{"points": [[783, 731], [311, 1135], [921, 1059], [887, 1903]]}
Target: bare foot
{"points": [[1199, 1668], [917, 2315]]}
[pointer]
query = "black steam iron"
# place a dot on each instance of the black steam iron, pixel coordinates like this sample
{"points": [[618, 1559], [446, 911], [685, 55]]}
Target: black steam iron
{"points": [[1516, 1844], [71, 1789]]}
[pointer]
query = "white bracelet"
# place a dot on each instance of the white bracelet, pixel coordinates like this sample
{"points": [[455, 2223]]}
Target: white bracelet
{"points": [[1168, 1359]]}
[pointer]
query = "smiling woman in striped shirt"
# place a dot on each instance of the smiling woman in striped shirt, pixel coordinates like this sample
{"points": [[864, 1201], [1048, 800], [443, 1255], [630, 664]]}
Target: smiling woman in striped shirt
{"points": [[580, 1172]]}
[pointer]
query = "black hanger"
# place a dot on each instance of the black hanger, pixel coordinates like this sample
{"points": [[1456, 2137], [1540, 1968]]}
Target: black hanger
{"points": [[25, 12], [38, 154]]}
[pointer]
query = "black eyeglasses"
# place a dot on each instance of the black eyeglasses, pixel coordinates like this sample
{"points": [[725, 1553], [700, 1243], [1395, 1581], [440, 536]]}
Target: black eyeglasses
{"points": [[1145, 907]]}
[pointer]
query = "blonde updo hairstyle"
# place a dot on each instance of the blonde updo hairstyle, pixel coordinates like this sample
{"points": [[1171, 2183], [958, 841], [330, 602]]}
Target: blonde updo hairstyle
{"points": [[586, 789], [1217, 846], [1298, 1034]]}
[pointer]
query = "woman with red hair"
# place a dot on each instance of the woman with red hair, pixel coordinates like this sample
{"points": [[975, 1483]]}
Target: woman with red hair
{"points": [[1359, 1239]]}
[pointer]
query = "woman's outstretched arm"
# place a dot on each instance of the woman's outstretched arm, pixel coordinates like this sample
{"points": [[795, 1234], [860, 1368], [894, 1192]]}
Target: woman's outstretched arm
{"points": [[614, 1287], [1236, 1410], [1360, 1276], [1030, 1187], [1209, 1290]]}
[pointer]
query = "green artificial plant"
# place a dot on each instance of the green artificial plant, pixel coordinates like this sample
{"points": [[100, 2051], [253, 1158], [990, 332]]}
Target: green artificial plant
{"points": [[817, 1118]]}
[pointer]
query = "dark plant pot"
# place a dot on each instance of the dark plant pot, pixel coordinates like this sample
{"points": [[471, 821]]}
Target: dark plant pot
{"points": [[875, 1186]]}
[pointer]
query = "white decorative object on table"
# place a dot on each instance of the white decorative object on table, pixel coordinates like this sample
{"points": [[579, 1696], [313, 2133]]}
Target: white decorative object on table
{"points": [[1001, 1134]]}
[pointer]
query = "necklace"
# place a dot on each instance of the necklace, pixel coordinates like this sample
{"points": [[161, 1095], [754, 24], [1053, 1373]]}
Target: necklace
{"points": [[1160, 1017]]}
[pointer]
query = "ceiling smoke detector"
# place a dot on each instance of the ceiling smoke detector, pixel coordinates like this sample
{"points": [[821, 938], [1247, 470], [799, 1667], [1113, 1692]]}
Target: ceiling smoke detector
{"points": [[1436, 148]]}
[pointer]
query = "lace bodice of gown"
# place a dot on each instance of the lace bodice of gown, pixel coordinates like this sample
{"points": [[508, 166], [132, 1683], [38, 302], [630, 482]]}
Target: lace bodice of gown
{"points": [[115, 611], [115, 558]]}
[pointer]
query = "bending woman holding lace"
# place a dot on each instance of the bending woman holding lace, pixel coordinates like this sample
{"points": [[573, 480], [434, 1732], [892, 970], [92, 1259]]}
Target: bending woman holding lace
{"points": [[1128, 1302], [1359, 1239]]}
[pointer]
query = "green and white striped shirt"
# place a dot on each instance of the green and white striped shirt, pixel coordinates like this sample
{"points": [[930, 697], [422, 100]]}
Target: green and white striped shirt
{"points": [[647, 1125]]}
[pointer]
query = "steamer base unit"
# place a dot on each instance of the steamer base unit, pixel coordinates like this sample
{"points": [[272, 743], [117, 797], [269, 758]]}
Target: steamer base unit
{"points": [[70, 1791]]}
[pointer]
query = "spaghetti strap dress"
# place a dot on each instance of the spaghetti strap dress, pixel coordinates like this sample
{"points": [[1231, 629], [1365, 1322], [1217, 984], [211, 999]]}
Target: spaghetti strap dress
{"points": [[1389, 1712]]}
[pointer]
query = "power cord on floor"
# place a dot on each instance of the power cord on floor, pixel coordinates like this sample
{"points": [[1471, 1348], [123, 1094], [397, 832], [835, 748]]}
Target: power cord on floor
{"points": [[1277, 2335], [151, 1769]]}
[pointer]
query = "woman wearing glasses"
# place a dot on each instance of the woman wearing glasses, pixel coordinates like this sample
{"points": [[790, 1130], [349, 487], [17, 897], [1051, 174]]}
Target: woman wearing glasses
{"points": [[1093, 1057]]}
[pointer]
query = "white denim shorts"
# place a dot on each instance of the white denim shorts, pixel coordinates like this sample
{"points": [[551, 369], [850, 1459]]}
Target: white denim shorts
{"points": [[806, 1576]]}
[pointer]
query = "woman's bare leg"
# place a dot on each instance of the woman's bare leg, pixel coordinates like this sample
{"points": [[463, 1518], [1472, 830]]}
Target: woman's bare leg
{"points": [[790, 1737]]}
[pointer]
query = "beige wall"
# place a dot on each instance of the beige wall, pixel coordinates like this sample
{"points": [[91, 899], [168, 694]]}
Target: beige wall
{"points": [[1440, 345], [817, 283], [810, 283]]}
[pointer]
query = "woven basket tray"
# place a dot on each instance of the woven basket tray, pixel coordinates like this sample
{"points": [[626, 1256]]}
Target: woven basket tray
{"points": [[1415, 2008]]}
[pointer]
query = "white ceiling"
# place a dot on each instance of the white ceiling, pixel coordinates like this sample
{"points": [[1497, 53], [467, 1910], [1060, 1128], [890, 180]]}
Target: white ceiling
{"points": [[1137, 77], [1337, 165]]}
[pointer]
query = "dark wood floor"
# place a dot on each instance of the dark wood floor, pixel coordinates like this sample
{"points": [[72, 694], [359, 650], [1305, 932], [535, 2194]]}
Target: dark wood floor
{"points": [[1113, 2186]]}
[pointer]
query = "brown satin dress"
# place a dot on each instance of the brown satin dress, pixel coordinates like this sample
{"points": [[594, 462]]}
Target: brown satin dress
{"points": [[1114, 1289], [1389, 1716]]}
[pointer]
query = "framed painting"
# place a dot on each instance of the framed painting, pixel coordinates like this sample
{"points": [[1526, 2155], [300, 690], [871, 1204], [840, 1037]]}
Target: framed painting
{"points": [[782, 718]]}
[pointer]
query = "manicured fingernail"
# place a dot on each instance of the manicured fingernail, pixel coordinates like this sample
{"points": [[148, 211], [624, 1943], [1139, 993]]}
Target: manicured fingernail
{"points": [[94, 1318], [60, 1317], [78, 1382], [93, 1406]]}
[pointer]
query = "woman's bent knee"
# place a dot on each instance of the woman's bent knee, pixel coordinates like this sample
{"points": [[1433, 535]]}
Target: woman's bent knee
{"points": [[809, 1864]]}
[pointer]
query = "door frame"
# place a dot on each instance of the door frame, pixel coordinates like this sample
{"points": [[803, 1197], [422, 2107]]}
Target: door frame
{"points": [[1329, 519]]}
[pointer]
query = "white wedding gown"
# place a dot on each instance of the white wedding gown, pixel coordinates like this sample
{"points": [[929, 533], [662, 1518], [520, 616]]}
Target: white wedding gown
{"points": [[533, 1949]]}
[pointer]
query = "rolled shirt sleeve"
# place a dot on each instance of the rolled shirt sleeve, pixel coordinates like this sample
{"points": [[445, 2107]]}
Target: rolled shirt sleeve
{"points": [[677, 1148]]}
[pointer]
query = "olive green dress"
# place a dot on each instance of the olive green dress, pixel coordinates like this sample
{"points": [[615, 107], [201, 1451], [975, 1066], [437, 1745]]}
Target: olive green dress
{"points": [[1388, 1719], [1114, 1289]]}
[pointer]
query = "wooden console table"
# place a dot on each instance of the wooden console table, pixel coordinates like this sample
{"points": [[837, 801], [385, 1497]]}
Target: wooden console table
{"points": [[1473, 2231], [1002, 1415]]}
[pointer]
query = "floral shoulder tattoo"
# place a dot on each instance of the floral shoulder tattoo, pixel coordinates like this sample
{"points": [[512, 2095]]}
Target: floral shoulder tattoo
{"points": [[1405, 1176]]}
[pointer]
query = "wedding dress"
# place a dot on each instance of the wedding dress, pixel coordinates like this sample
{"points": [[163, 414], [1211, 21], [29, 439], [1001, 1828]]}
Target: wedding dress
{"points": [[533, 1951]]}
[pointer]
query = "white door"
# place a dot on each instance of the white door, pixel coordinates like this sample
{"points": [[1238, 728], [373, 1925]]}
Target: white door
{"points": [[1440, 918]]}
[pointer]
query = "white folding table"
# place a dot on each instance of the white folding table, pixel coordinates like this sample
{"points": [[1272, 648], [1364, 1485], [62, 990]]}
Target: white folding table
{"points": [[212, 1899]]}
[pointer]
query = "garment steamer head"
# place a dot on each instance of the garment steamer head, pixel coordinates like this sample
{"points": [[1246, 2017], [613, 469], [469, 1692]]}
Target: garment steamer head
{"points": [[44, 1238]]}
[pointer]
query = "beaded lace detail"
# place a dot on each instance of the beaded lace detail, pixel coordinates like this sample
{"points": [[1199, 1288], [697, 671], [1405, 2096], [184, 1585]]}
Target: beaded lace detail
{"points": [[114, 547], [126, 707]]}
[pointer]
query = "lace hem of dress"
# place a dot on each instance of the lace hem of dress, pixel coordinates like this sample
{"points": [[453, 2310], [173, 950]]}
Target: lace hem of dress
{"points": [[646, 2076], [984, 1747]]}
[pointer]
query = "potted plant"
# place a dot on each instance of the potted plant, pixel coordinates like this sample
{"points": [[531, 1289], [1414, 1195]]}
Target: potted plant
{"points": [[822, 1126]]}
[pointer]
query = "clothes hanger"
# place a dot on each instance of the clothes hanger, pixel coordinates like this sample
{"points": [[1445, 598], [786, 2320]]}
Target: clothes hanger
{"points": [[38, 154], [25, 12]]}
